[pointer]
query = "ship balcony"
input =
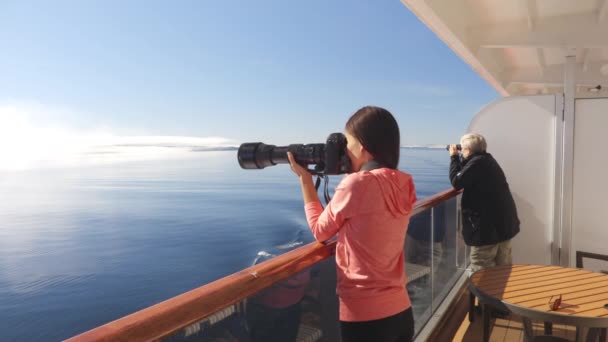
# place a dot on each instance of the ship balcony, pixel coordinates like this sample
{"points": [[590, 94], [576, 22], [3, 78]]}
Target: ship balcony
{"points": [[292, 297]]}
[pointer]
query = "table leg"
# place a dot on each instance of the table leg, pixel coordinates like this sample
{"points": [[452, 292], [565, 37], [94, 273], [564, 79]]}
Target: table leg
{"points": [[548, 328], [485, 313], [592, 334], [579, 334], [471, 306], [603, 335], [528, 332]]}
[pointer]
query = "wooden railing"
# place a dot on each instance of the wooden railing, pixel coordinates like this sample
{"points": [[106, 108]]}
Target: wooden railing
{"points": [[172, 315]]}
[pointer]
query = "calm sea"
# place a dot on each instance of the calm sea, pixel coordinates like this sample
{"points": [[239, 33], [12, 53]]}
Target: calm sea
{"points": [[82, 246]]}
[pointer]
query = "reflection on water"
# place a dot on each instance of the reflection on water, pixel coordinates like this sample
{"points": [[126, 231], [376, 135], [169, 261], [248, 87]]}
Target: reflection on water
{"points": [[82, 246]]}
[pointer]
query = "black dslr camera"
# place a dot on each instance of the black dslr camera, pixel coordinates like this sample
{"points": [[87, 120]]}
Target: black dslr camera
{"points": [[329, 158]]}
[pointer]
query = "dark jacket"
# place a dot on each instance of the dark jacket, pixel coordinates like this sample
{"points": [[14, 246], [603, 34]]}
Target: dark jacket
{"points": [[489, 215]]}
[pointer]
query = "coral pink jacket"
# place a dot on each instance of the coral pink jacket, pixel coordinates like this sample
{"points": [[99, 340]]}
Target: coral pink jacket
{"points": [[369, 212]]}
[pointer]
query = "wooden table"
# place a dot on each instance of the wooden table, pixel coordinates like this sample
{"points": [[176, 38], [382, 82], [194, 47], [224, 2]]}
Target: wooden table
{"points": [[525, 290]]}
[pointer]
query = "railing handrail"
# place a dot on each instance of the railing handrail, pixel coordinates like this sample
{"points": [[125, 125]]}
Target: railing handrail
{"points": [[434, 200], [165, 318]]}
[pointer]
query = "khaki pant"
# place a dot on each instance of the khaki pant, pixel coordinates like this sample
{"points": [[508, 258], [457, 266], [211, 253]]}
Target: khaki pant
{"points": [[491, 255]]}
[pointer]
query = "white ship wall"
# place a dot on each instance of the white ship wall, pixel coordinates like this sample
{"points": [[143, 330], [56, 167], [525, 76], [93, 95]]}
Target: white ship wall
{"points": [[590, 179], [520, 132]]}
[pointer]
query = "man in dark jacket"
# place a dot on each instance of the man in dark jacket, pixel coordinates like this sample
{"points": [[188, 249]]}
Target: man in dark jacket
{"points": [[489, 215]]}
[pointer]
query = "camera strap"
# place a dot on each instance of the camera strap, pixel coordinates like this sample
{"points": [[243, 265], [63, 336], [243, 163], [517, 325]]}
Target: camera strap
{"points": [[318, 182], [325, 186], [326, 190], [370, 165]]}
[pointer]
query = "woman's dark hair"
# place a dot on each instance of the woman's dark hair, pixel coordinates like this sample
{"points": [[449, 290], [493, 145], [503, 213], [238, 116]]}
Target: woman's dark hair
{"points": [[378, 132]]}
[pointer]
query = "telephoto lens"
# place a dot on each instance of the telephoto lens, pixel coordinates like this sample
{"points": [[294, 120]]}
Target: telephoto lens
{"points": [[259, 155], [330, 158]]}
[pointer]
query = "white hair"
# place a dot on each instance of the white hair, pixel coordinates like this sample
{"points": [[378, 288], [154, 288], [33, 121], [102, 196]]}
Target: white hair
{"points": [[474, 142]]}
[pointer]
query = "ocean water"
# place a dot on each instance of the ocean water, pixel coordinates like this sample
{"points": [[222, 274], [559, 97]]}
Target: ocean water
{"points": [[82, 246]]}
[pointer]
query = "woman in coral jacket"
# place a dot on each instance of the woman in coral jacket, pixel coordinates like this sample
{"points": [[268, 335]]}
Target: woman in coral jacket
{"points": [[369, 213]]}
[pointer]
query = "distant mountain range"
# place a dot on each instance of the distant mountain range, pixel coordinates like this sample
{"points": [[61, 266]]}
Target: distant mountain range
{"points": [[234, 148], [216, 148], [435, 146]]}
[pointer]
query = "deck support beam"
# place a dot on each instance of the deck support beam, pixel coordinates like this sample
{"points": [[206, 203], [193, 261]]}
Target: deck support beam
{"points": [[567, 162], [587, 75]]}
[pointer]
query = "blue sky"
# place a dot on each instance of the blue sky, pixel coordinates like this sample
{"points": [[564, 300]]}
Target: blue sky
{"points": [[274, 71]]}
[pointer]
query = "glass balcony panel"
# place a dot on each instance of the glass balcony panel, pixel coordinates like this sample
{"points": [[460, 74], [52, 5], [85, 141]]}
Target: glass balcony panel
{"points": [[303, 307]]}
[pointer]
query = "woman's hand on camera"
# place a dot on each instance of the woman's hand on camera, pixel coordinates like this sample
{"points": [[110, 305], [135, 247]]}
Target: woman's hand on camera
{"points": [[453, 150], [309, 192], [298, 169]]}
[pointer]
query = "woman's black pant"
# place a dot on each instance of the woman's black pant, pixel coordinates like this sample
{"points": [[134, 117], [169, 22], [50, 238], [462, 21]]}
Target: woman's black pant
{"points": [[396, 328]]}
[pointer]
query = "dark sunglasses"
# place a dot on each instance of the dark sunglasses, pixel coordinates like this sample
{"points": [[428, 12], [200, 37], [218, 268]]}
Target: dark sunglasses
{"points": [[554, 304]]}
